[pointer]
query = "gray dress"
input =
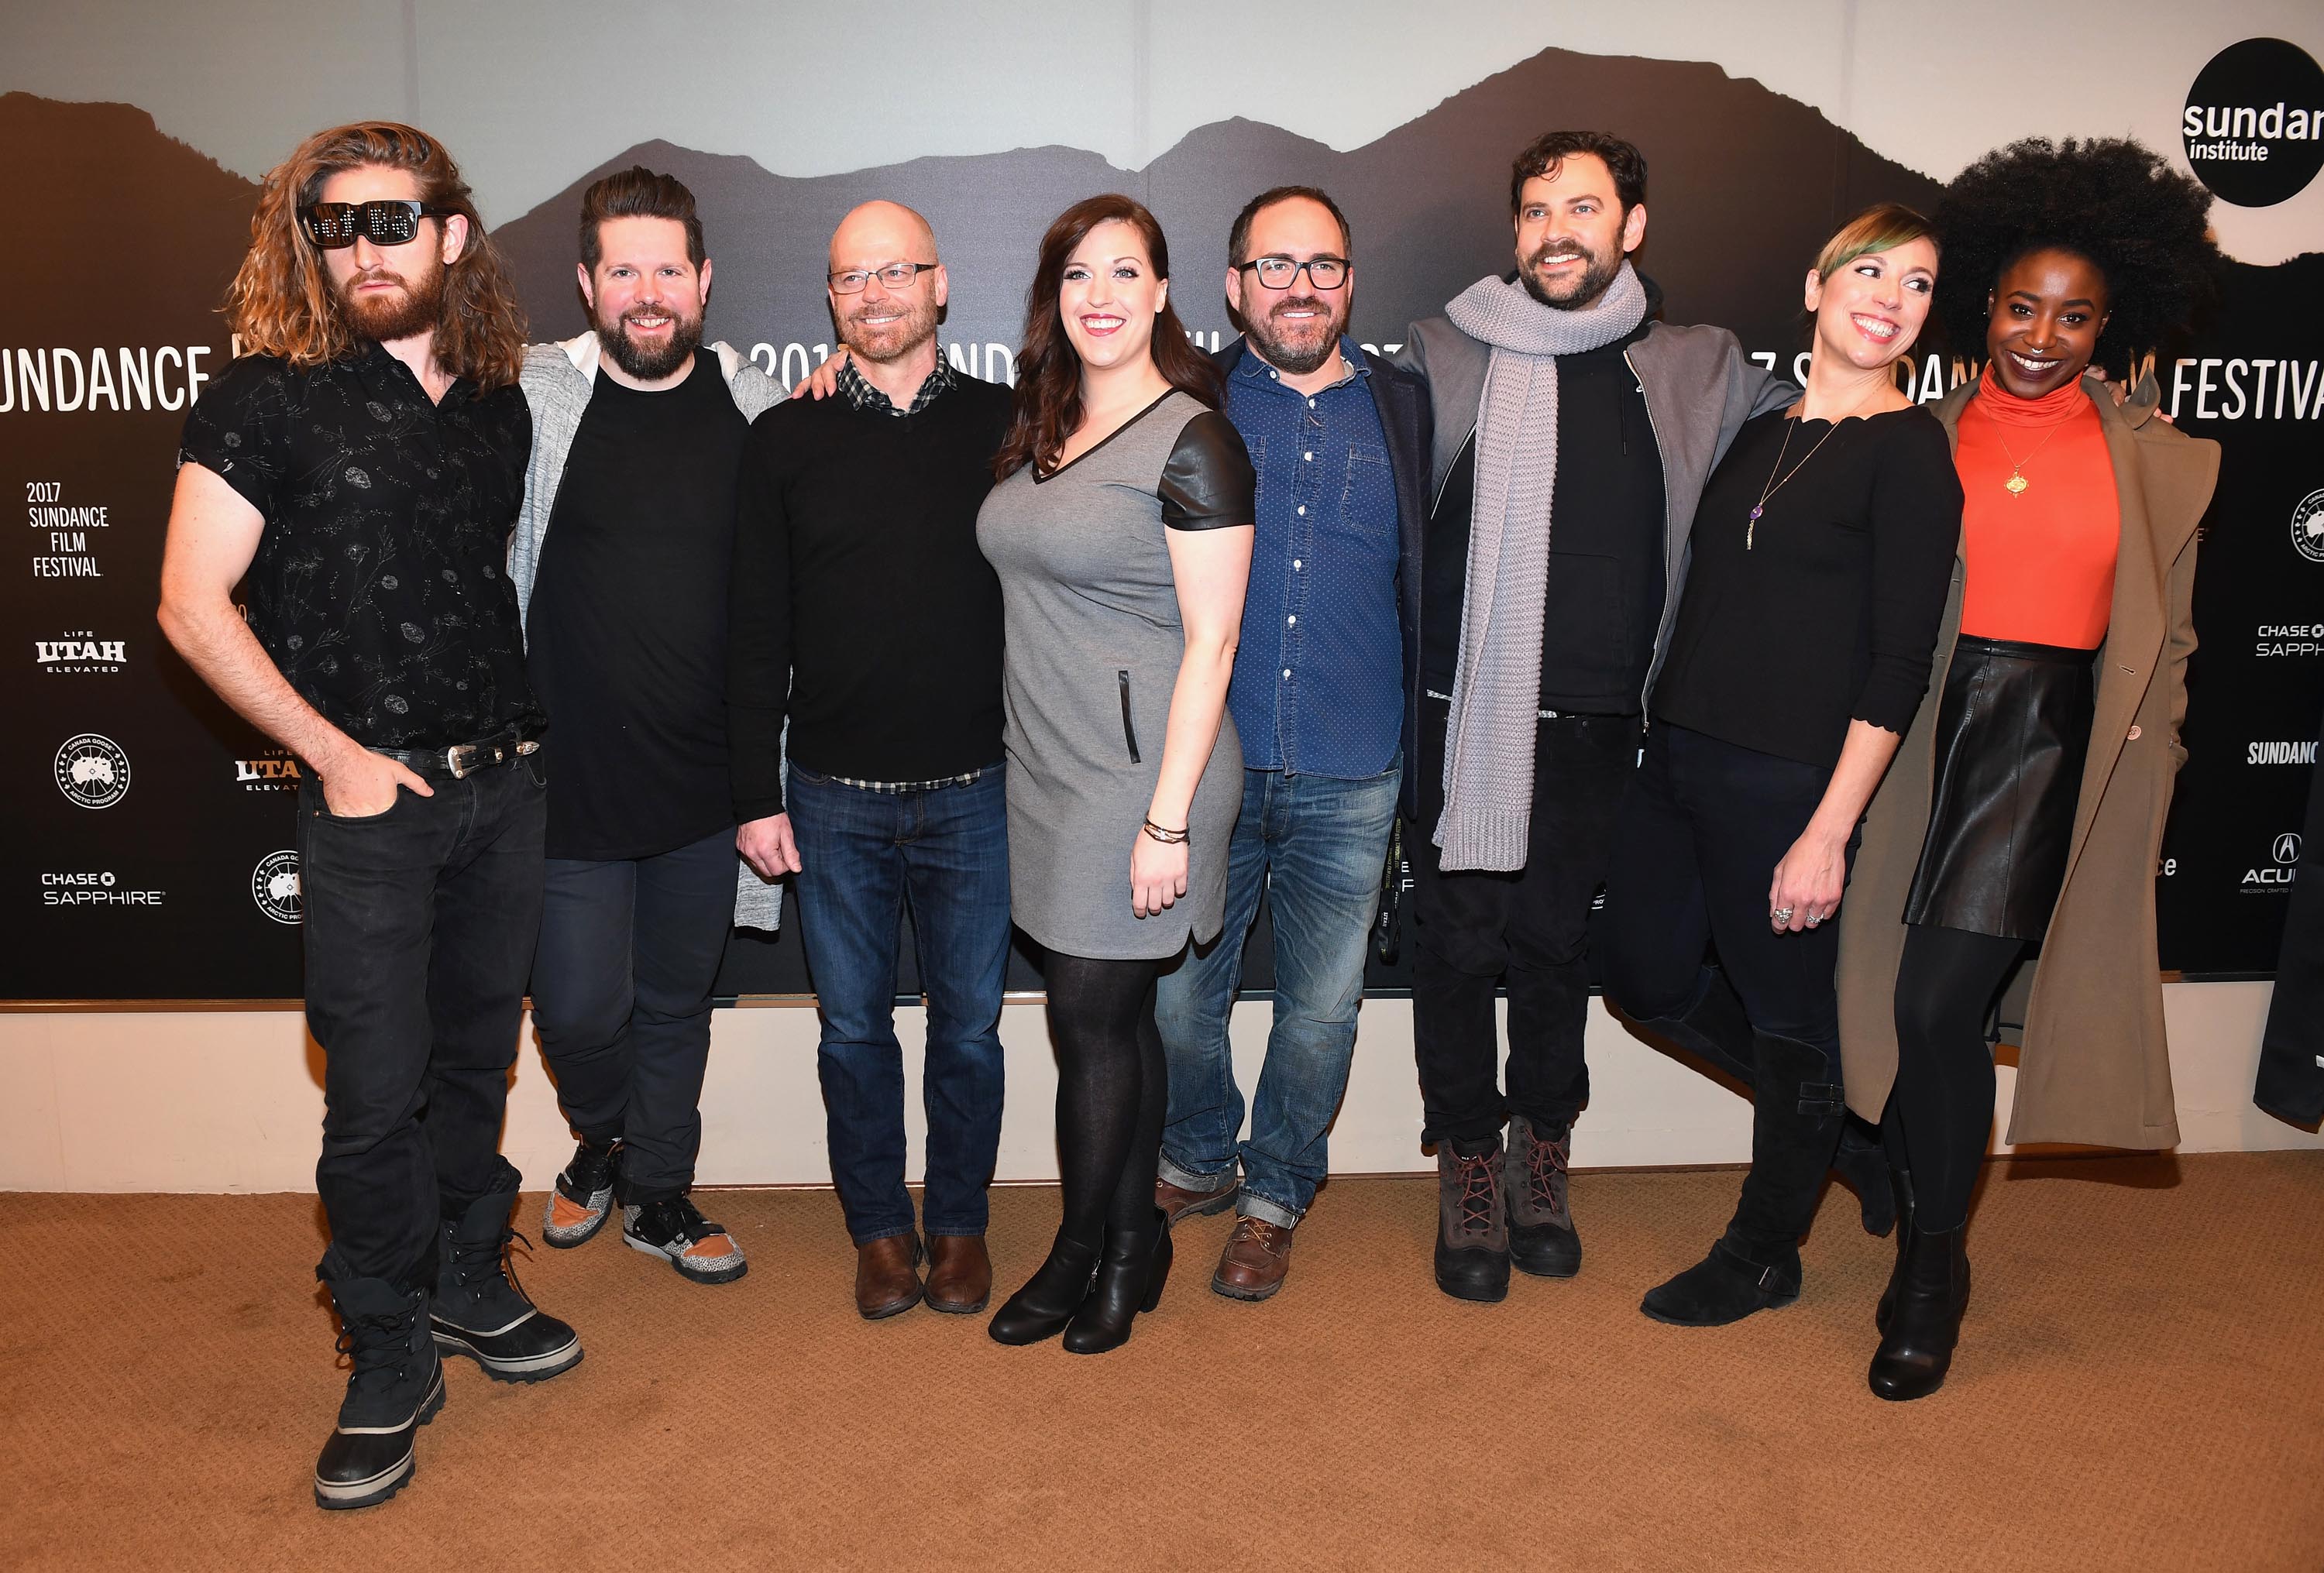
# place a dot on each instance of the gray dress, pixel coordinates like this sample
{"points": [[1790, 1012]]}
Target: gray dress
{"points": [[1094, 643]]}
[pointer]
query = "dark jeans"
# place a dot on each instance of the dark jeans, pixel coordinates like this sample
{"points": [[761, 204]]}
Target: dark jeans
{"points": [[1315, 845], [1693, 859], [1471, 929], [418, 928], [867, 858], [621, 992]]}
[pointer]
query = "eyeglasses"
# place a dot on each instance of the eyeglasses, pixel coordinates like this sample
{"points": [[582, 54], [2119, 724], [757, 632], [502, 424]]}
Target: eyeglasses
{"points": [[896, 276], [1279, 273], [332, 226]]}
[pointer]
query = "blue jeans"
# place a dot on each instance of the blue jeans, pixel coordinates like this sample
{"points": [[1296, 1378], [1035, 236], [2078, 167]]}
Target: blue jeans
{"points": [[1317, 845], [866, 858]]}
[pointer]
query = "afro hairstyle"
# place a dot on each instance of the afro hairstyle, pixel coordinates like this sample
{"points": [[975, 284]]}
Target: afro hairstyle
{"points": [[2108, 199]]}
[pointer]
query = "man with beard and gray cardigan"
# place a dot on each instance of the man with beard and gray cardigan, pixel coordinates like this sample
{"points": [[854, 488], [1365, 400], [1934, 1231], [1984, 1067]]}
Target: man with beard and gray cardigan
{"points": [[638, 435], [1573, 435]]}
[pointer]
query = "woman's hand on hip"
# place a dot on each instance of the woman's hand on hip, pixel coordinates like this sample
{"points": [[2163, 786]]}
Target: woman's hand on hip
{"points": [[1805, 891], [1157, 875]]}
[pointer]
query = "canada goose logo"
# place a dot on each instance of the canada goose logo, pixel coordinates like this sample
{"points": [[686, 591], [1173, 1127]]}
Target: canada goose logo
{"points": [[274, 885], [2307, 527], [92, 770]]}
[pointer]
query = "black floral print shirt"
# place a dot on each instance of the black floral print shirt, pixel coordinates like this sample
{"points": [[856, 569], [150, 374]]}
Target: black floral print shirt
{"points": [[380, 586]]}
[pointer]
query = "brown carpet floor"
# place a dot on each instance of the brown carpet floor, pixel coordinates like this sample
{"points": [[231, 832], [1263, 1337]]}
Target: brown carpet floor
{"points": [[2141, 1385]]}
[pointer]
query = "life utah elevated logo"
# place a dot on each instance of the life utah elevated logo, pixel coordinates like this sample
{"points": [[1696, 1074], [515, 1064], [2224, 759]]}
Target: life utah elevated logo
{"points": [[2253, 126]]}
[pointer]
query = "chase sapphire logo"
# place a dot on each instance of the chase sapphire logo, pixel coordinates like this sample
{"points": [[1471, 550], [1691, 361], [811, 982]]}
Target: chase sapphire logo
{"points": [[2253, 125]]}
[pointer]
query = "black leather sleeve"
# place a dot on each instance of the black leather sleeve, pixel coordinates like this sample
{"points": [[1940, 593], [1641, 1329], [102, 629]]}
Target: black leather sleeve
{"points": [[1208, 482]]}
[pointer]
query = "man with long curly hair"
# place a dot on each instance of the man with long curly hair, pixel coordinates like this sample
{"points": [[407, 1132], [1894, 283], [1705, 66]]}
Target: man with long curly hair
{"points": [[359, 470]]}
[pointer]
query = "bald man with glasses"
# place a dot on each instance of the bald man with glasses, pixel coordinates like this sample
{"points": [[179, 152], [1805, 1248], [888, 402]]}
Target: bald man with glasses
{"points": [[864, 617]]}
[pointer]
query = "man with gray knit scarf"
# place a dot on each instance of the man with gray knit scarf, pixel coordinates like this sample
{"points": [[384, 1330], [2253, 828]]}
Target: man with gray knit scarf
{"points": [[1573, 435]]}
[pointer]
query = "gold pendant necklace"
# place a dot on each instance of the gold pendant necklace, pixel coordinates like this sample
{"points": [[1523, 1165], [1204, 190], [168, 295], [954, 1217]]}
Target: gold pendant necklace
{"points": [[2017, 483]]}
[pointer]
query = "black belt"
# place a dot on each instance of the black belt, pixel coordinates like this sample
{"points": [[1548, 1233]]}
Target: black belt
{"points": [[464, 759]]}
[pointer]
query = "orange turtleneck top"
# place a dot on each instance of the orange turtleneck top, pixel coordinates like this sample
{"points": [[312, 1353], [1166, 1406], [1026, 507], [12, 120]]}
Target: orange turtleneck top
{"points": [[2039, 561]]}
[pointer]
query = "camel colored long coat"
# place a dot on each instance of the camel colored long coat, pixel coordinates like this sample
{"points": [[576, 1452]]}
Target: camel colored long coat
{"points": [[2093, 1067]]}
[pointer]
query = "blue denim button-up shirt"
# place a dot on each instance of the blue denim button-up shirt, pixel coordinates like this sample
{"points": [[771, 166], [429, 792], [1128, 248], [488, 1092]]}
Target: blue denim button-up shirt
{"points": [[1318, 680]]}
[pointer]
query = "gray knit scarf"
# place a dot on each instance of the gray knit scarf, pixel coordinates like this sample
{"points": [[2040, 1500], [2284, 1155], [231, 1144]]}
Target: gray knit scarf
{"points": [[1489, 737]]}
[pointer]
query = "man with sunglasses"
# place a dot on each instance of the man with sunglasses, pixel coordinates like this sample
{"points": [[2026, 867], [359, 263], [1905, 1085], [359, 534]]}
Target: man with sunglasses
{"points": [[1341, 444], [358, 470], [864, 615], [621, 564]]}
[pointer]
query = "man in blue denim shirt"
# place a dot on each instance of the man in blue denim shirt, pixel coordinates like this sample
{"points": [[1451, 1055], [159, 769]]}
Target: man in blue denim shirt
{"points": [[1340, 444]]}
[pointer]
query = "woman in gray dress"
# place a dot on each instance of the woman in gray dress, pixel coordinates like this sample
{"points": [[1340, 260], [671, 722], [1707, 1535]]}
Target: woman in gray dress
{"points": [[1121, 530]]}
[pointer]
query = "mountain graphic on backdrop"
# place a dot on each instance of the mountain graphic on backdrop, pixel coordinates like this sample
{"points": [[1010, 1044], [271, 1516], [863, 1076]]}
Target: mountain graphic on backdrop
{"points": [[1745, 185]]}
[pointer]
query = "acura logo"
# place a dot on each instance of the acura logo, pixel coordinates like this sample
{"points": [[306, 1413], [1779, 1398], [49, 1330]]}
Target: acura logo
{"points": [[2287, 847]]}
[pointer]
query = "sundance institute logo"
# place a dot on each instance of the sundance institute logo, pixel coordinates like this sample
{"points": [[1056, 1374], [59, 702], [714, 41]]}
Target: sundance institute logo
{"points": [[2253, 126], [274, 885], [92, 770]]}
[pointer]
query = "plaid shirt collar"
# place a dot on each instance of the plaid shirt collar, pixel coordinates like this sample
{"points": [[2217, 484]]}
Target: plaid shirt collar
{"points": [[861, 394]]}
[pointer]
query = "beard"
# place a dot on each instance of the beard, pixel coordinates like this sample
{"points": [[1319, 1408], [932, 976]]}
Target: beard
{"points": [[1598, 273], [1298, 347], [415, 307], [651, 364], [891, 341]]}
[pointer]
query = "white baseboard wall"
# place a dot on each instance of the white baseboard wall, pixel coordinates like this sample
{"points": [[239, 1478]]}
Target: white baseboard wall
{"points": [[232, 1101]]}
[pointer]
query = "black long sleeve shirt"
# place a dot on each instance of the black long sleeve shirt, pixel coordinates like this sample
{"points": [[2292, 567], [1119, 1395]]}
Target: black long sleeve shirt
{"points": [[861, 609], [1829, 613]]}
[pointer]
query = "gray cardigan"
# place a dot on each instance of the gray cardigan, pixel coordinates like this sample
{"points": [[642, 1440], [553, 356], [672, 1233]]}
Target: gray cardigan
{"points": [[1700, 389], [558, 380]]}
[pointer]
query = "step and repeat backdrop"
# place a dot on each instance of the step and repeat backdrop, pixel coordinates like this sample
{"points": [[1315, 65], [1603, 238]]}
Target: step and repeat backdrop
{"points": [[148, 846]]}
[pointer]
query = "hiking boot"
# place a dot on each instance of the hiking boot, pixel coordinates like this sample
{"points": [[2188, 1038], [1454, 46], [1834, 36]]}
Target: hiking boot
{"points": [[583, 1197], [1255, 1260], [480, 1312], [1542, 1240], [674, 1229], [396, 1386], [1473, 1225]]}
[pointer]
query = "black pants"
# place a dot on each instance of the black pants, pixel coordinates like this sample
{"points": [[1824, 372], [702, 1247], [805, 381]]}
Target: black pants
{"points": [[621, 992], [1692, 861], [1941, 1110], [418, 930], [1473, 930], [1113, 1088]]}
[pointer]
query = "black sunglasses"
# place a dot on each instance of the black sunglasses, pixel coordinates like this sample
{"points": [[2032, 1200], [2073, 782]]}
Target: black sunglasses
{"points": [[392, 222]]}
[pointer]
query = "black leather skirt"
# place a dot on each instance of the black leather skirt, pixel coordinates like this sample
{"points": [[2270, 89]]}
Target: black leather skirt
{"points": [[2013, 732]]}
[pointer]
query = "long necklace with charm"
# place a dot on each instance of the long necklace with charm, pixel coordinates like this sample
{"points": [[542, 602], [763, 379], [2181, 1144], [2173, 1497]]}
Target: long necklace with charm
{"points": [[1751, 525], [2017, 483]]}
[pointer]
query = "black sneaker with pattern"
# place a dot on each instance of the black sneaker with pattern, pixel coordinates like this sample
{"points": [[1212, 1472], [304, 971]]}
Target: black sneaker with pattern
{"points": [[675, 1229], [1541, 1239], [480, 1312], [396, 1386], [1473, 1226], [583, 1197]]}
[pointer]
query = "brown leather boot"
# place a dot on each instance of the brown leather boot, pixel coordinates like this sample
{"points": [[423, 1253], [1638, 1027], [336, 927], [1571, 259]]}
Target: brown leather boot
{"points": [[887, 1276], [1255, 1261], [1177, 1201], [960, 1274]]}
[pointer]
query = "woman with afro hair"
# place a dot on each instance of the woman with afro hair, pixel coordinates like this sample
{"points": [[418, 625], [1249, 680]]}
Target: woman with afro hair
{"points": [[2025, 806]]}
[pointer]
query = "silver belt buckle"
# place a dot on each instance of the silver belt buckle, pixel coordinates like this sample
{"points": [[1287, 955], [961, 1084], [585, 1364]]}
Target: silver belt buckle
{"points": [[456, 759]]}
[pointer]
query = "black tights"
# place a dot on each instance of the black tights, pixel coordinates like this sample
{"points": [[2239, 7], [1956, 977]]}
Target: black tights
{"points": [[1941, 1110], [1112, 1084]]}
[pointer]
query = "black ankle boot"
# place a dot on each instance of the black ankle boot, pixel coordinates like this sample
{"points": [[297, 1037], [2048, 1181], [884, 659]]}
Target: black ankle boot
{"points": [[1916, 1348], [1900, 1185], [1795, 1117], [396, 1387], [1130, 1278], [480, 1312], [1864, 1165], [1050, 1297], [1735, 1279]]}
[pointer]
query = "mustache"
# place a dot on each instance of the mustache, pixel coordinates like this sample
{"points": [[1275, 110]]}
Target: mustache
{"points": [[1548, 253], [1300, 303], [653, 308], [378, 276]]}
